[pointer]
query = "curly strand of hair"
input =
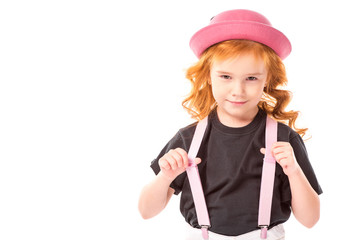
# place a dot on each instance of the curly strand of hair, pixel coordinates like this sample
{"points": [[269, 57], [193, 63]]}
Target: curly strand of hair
{"points": [[275, 104], [200, 101], [275, 99]]}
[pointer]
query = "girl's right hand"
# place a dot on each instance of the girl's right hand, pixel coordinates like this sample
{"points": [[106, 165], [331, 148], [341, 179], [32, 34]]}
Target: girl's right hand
{"points": [[174, 163]]}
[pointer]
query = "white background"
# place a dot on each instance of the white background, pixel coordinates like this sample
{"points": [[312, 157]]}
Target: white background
{"points": [[90, 92]]}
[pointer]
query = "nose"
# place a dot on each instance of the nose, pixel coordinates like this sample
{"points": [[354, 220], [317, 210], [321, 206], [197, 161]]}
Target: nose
{"points": [[238, 89]]}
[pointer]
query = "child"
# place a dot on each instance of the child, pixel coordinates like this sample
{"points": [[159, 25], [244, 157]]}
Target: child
{"points": [[236, 84]]}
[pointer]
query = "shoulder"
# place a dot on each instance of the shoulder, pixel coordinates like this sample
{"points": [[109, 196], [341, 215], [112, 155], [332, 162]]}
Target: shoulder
{"points": [[188, 130], [287, 134], [187, 133], [183, 137]]}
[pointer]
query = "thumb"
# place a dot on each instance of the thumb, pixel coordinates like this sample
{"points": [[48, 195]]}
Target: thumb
{"points": [[197, 160], [263, 150]]}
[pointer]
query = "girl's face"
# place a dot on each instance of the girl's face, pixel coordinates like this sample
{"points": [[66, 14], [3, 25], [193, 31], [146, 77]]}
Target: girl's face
{"points": [[237, 86]]}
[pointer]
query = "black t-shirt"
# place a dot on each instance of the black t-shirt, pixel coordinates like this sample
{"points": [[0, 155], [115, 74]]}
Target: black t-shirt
{"points": [[230, 173]]}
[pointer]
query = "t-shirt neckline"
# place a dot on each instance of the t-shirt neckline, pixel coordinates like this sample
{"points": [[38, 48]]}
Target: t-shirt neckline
{"points": [[252, 126]]}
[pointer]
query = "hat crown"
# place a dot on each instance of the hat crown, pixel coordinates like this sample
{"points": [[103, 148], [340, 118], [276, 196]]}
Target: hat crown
{"points": [[240, 15], [240, 24]]}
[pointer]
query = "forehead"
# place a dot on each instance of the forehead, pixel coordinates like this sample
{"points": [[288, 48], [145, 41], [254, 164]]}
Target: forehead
{"points": [[244, 62]]}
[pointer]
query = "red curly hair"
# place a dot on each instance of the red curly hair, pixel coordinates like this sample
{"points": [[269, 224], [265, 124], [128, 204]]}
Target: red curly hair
{"points": [[200, 102]]}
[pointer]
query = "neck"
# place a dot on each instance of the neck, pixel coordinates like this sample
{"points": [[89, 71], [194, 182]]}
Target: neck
{"points": [[236, 121]]}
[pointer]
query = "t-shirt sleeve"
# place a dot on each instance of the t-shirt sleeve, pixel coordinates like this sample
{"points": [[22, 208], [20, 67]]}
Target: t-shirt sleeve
{"points": [[176, 142], [302, 158]]}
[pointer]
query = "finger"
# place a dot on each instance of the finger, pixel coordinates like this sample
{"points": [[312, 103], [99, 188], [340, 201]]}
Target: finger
{"points": [[287, 150], [184, 157], [164, 164], [263, 150], [280, 157], [172, 161], [178, 158], [277, 150], [283, 164], [197, 160], [280, 145]]}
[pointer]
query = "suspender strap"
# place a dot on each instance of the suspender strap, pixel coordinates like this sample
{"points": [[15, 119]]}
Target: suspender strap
{"points": [[267, 179], [194, 179]]}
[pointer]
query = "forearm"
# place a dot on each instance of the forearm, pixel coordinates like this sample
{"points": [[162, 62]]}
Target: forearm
{"points": [[305, 201], [155, 196]]}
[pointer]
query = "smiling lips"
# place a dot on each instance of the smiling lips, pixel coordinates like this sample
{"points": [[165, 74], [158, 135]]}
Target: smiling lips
{"points": [[237, 103]]}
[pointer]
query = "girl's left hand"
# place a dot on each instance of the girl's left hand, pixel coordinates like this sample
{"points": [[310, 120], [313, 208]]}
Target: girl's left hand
{"points": [[284, 155]]}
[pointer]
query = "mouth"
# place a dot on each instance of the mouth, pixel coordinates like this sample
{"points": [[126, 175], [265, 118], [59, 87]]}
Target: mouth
{"points": [[237, 103]]}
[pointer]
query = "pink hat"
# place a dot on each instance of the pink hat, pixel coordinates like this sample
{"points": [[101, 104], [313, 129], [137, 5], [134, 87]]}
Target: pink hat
{"points": [[240, 24]]}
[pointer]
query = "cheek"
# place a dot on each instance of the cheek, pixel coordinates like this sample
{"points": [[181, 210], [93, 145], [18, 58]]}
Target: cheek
{"points": [[215, 92], [218, 91], [257, 91]]}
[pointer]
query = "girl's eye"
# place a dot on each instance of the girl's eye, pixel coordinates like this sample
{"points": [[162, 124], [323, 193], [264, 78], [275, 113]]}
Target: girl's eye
{"points": [[227, 77], [251, 78]]}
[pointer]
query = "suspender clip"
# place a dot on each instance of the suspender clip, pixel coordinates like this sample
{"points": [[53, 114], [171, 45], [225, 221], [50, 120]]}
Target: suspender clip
{"points": [[204, 230], [263, 234]]}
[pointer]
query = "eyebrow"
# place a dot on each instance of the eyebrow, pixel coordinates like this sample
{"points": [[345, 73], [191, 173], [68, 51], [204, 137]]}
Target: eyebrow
{"points": [[248, 74]]}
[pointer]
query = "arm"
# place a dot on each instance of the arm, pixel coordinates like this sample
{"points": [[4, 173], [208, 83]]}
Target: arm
{"points": [[155, 196], [305, 201]]}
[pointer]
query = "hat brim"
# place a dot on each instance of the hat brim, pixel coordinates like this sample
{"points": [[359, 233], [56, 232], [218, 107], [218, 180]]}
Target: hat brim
{"points": [[257, 32]]}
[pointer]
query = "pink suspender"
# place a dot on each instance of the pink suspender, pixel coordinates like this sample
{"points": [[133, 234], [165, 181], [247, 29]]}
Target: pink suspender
{"points": [[267, 179], [194, 179]]}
